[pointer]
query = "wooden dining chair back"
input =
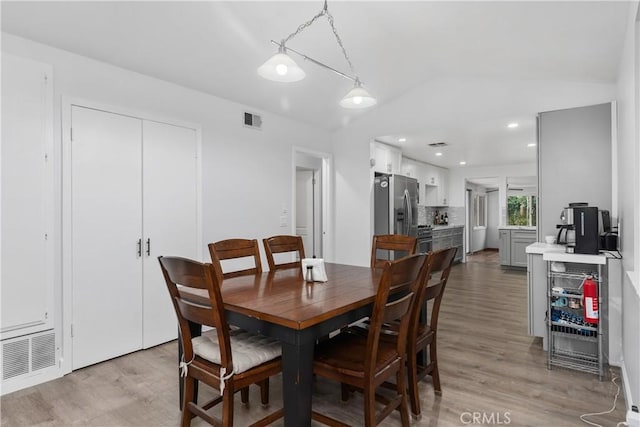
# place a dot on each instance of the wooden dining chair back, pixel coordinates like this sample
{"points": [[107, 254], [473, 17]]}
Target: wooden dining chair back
{"points": [[422, 337], [234, 249], [400, 244], [223, 359], [365, 362], [283, 244]]}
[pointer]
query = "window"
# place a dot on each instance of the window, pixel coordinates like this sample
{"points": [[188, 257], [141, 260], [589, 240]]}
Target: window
{"points": [[479, 210], [522, 210]]}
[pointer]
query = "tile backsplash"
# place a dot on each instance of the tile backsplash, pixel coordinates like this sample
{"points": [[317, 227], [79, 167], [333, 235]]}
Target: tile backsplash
{"points": [[455, 214]]}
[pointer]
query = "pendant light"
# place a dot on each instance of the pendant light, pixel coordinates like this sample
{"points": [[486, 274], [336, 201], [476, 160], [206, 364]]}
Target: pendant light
{"points": [[281, 68], [358, 97]]}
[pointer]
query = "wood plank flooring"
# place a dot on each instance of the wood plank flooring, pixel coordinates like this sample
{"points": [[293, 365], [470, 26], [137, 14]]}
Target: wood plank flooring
{"points": [[488, 367]]}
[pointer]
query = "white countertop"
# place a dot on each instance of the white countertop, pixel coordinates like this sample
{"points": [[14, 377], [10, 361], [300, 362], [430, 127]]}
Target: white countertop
{"points": [[558, 253], [444, 227], [517, 227]]}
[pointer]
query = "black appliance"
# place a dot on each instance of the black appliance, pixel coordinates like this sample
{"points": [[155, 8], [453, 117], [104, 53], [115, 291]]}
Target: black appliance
{"points": [[608, 237], [425, 239], [585, 222]]}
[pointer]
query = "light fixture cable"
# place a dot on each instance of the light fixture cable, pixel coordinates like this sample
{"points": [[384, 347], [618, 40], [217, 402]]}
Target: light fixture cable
{"points": [[357, 97]]}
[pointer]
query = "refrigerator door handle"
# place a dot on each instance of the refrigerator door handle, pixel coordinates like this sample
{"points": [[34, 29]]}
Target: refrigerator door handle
{"points": [[406, 201]]}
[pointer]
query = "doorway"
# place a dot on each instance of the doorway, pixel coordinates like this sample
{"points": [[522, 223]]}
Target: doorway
{"points": [[311, 189]]}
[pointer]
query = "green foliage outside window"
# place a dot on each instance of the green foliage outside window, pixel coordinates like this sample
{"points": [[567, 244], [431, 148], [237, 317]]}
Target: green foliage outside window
{"points": [[521, 210]]}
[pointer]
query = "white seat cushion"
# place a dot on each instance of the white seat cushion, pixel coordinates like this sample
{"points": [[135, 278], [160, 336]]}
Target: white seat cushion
{"points": [[247, 349]]}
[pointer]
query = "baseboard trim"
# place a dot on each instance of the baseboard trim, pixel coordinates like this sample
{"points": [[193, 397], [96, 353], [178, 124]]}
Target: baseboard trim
{"points": [[633, 418]]}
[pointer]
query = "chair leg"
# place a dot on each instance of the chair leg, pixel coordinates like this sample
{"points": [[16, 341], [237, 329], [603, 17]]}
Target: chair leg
{"points": [[345, 391], [369, 407], [435, 375], [227, 409], [414, 397], [187, 396], [244, 395], [402, 391], [264, 392]]}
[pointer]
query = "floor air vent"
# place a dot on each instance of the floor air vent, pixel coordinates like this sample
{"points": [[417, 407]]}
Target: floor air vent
{"points": [[23, 355]]}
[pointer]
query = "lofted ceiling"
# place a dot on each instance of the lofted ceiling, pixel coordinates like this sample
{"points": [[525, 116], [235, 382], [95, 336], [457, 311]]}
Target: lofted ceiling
{"points": [[399, 50]]}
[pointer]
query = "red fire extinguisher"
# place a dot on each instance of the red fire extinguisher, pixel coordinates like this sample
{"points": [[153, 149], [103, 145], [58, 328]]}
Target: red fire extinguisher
{"points": [[590, 300]]}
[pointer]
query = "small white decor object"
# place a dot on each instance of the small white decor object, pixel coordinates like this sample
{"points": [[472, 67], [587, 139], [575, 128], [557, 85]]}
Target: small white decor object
{"points": [[318, 272], [550, 240]]}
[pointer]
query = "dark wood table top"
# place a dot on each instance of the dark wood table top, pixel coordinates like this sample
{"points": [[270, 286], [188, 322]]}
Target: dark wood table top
{"points": [[284, 298]]}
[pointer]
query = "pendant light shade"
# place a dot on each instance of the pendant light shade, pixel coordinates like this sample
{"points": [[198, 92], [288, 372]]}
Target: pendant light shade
{"points": [[281, 68], [358, 97]]}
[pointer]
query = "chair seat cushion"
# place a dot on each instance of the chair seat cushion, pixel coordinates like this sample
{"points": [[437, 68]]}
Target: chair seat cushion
{"points": [[247, 350], [346, 352]]}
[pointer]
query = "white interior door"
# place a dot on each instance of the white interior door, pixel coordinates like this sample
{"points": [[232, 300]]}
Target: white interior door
{"points": [[304, 209], [170, 219], [106, 152]]}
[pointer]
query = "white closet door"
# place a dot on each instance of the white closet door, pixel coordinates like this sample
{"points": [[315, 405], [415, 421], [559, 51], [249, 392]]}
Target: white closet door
{"points": [[170, 219], [106, 152]]}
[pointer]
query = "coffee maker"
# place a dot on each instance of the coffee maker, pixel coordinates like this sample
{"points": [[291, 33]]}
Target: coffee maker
{"points": [[580, 226], [585, 221]]}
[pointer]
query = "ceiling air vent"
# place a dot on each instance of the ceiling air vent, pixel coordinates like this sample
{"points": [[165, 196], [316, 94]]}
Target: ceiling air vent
{"points": [[438, 144], [252, 120]]}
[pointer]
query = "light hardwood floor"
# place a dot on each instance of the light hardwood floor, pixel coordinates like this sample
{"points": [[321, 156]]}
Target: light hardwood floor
{"points": [[488, 366]]}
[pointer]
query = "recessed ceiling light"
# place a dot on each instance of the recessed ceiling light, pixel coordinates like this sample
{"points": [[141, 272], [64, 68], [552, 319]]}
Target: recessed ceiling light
{"points": [[402, 139], [531, 144], [512, 125], [463, 163], [438, 154]]}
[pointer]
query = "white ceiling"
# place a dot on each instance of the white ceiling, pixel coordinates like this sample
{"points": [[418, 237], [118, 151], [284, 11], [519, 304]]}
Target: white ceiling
{"points": [[399, 49]]}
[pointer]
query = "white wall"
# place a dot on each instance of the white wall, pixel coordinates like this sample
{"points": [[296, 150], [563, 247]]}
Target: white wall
{"points": [[493, 219], [458, 176], [628, 158], [246, 173]]}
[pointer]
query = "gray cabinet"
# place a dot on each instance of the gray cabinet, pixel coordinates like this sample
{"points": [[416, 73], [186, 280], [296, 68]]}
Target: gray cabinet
{"points": [[513, 245], [537, 295], [450, 237], [505, 247]]}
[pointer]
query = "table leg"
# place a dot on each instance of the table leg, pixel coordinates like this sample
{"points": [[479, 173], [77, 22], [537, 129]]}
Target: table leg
{"points": [[297, 383]]}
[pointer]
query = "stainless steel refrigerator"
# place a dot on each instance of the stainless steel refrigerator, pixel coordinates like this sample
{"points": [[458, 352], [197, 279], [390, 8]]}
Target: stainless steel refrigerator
{"points": [[395, 205]]}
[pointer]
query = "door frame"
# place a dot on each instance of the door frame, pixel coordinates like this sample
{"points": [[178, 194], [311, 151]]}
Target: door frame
{"points": [[326, 225], [66, 203]]}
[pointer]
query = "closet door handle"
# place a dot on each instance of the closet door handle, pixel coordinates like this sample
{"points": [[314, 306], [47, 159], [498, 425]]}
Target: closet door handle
{"points": [[148, 247], [139, 247]]}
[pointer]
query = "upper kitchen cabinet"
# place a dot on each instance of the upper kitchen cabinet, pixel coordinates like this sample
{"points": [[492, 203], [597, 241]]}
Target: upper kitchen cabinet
{"points": [[436, 186], [388, 159], [410, 167]]}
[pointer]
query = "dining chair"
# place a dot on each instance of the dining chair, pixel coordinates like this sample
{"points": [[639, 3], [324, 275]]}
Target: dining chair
{"points": [[234, 249], [404, 245], [423, 337], [282, 244], [223, 359], [365, 362]]}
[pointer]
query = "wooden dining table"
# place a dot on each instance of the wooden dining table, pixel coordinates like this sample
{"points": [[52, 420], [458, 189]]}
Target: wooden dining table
{"points": [[282, 305]]}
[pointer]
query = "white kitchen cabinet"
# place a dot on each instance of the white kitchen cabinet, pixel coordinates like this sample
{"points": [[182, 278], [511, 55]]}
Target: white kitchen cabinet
{"points": [[133, 197], [437, 186], [409, 167], [388, 159]]}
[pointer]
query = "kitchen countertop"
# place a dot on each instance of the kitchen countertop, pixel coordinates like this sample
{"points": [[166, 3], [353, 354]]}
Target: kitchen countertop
{"points": [[517, 227], [445, 227], [556, 252]]}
